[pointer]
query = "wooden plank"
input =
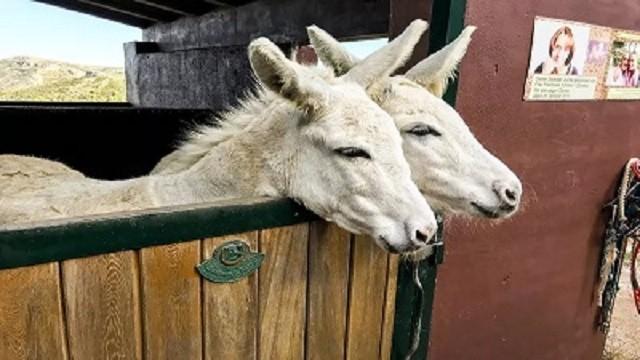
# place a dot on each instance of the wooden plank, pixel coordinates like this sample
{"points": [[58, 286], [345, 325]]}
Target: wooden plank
{"points": [[282, 293], [31, 317], [389, 307], [231, 310], [103, 306], [329, 248], [366, 299], [171, 313], [218, 77]]}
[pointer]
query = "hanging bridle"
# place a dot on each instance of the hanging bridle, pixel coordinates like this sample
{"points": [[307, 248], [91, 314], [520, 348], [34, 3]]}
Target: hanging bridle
{"points": [[623, 226]]}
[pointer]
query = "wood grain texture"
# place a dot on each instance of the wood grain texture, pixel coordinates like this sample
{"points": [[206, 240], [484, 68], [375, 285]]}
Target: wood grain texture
{"points": [[231, 310], [31, 317], [389, 307], [282, 293], [103, 306], [329, 248], [171, 312], [366, 299]]}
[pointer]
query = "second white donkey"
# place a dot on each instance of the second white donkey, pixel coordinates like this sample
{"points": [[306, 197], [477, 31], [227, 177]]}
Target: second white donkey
{"points": [[452, 169]]}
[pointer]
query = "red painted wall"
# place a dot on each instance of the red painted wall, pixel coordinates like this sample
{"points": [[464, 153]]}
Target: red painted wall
{"points": [[522, 288]]}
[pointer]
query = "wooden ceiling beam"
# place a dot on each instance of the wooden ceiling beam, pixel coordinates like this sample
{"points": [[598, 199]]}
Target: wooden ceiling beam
{"points": [[183, 7], [124, 18], [134, 9]]}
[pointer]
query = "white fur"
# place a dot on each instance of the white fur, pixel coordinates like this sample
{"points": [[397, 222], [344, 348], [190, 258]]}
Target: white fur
{"points": [[281, 142], [454, 171]]}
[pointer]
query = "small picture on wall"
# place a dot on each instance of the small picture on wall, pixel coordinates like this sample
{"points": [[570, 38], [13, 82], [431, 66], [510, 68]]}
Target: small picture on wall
{"points": [[623, 65], [598, 52], [558, 48], [622, 69]]}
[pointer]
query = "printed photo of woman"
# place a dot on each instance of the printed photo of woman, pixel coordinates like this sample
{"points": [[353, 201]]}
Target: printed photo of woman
{"points": [[561, 51], [558, 48]]}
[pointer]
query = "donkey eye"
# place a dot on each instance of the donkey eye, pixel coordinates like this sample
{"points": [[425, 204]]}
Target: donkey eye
{"points": [[352, 152], [423, 130]]}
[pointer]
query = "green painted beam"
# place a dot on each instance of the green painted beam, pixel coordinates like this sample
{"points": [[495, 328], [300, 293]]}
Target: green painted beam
{"points": [[75, 238], [447, 23]]}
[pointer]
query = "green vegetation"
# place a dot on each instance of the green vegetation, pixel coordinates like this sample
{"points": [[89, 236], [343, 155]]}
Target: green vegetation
{"points": [[31, 79]]}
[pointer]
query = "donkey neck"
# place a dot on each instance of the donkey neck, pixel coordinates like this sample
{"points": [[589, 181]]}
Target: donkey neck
{"points": [[257, 161]]}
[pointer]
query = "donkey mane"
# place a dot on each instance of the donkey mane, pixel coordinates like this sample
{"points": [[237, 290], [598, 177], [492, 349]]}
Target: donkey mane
{"points": [[198, 141]]}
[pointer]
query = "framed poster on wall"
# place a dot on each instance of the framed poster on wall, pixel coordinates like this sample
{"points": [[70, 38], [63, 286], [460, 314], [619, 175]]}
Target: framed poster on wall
{"points": [[577, 61]]}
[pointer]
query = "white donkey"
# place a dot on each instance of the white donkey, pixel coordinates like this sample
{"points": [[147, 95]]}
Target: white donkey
{"points": [[452, 169], [321, 141]]}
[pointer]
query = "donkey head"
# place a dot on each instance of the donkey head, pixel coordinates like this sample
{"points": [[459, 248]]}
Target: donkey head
{"points": [[452, 169], [343, 154]]}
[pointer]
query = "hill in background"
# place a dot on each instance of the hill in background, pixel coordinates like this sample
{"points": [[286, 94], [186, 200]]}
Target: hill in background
{"points": [[32, 79]]}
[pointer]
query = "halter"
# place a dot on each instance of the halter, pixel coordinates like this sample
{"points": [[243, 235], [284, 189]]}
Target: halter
{"points": [[623, 226]]}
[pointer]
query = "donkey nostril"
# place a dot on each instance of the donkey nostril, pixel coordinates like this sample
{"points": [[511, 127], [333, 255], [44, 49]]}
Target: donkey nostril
{"points": [[507, 194], [510, 195], [421, 237]]}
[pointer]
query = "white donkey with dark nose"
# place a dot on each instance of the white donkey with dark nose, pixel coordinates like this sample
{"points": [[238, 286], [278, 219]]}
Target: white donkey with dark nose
{"points": [[454, 172]]}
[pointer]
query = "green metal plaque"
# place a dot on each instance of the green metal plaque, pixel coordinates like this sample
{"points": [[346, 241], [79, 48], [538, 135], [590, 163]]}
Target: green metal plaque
{"points": [[231, 262]]}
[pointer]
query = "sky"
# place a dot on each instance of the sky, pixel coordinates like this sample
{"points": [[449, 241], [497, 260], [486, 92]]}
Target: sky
{"points": [[363, 48], [34, 29], [29, 28]]}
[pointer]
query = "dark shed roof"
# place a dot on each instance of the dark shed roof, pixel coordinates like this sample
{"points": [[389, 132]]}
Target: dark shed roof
{"points": [[144, 13]]}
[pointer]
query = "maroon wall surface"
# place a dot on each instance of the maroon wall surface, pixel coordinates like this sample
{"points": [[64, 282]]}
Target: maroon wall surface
{"points": [[522, 288]]}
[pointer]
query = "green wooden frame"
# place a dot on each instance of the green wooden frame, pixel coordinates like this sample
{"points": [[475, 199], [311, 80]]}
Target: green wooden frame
{"points": [[447, 23], [94, 235]]}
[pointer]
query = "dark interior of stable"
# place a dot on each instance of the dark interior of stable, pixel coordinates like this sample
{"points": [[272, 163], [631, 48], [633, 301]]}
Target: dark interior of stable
{"points": [[104, 141]]}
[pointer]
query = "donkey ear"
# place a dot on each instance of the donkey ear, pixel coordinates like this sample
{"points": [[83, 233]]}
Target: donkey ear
{"points": [[388, 59], [435, 72], [330, 51], [283, 76]]}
